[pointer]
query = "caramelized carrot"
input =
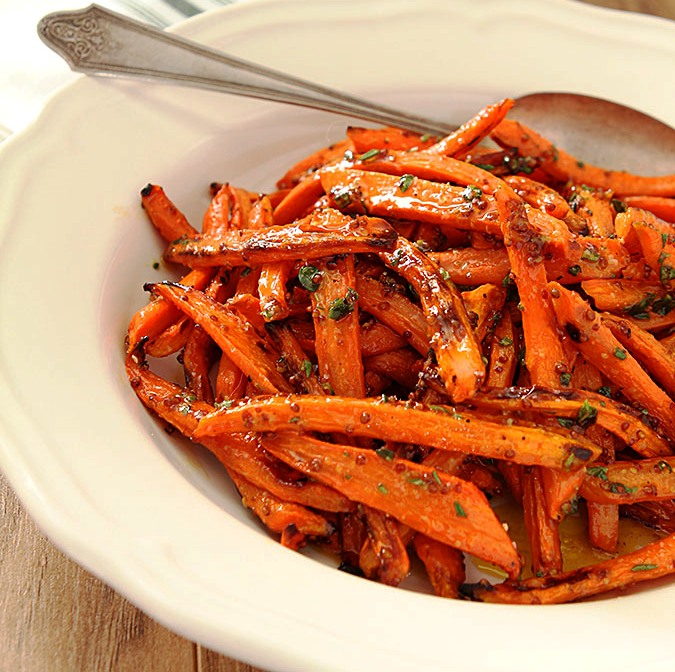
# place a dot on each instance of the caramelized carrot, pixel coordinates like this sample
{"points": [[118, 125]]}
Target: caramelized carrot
{"points": [[437, 426], [169, 221], [408, 492], [444, 565]]}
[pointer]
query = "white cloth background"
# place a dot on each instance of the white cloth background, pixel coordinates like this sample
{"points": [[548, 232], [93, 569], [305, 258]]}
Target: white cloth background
{"points": [[30, 71]]}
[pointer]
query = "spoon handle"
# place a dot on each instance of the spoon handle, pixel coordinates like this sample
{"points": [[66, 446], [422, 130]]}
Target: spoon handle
{"points": [[95, 40]]}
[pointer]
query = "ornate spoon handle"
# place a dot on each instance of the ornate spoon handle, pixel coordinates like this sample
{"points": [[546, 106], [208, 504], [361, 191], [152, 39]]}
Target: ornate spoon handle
{"points": [[97, 41]]}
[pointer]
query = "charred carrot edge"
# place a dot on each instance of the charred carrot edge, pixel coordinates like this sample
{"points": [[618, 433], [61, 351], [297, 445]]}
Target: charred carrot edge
{"points": [[458, 353], [400, 198], [565, 168], [172, 339], [272, 290], [217, 215], [239, 452], [597, 343], [473, 132], [230, 380], [579, 409], [387, 546], [594, 207], [437, 426], [407, 491], [232, 334], [278, 515], [646, 349], [603, 526], [444, 565], [627, 482], [169, 221], [651, 562], [321, 234]]}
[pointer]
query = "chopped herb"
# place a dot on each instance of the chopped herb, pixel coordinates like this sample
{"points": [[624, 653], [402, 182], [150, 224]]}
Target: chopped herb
{"points": [[590, 255], [343, 305], [155, 265], [370, 154], [294, 419], [576, 201], [565, 422], [405, 182], [662, 465], [382, 488], [307, 368], [605, 391], [569, 461], [664, 305], [225, 403], [586, 415], [619, 206], [416, 480], [486, 166], [309, 277], [619, 353], [385, 454], [459, 510], [643, 567], [342, 197], [598, 472], [574, 270], [439, 409], [580, 164], [472, 192], [505, 342], [436, 477], [565, 379]]}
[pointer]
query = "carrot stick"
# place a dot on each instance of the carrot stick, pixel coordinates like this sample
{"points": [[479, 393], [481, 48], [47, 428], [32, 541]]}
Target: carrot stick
{"points": [[299, 200], [366, 139], [545, 356], [407, 491], [230, 380], [627, 482], [563, 167], [387, 545], [653, 356], [172, 339], [394, 309], [597, 343], [459, 357], [473, 132], [651, 562], [335, 310], [232, 334], [403, 365], [238, 453], [169, 221], [582, 409], [279, 516], [603, 526], [390, 196], [198, 356], [437, 426], [664, 208], [217, 215], [308, 165], [444, 565], [503, 357], [622, 296], [377, 338], [320, 234]]}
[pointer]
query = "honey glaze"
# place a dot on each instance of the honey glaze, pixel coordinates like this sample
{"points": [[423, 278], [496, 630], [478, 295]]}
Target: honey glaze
{"points": [[577, 550]]}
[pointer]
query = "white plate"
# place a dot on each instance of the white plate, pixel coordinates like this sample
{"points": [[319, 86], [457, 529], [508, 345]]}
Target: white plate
{"points": [[100, 477]]}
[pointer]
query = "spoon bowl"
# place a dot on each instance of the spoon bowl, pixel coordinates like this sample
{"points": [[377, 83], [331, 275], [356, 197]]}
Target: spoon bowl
{"points": [[97, 41]]}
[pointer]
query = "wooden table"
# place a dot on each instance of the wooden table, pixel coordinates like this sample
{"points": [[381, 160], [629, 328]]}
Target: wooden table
{"points": [[56, 617]]}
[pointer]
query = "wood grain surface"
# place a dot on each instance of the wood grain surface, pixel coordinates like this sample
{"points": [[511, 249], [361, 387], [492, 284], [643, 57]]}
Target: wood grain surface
{"points": [[57, 617]]}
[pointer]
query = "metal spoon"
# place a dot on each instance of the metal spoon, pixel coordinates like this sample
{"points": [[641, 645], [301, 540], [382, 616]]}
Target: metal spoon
{"points": [[97, 41]]}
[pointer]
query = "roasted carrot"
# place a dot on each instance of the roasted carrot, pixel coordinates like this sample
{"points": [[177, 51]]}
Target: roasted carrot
{"points": [[565, 168], [458, 353], [437, 426], [366, 139], [335, 311], [603, 526], [651, 562], [407, 491], [664, 208], [235, 336], [597, 343], [386, 543], [444, 565], [320, 234], [308, 165], [169, 221]]}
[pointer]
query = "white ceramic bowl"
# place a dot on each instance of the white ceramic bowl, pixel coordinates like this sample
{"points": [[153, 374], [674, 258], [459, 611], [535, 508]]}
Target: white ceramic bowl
{"points": [[156, 519]]}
